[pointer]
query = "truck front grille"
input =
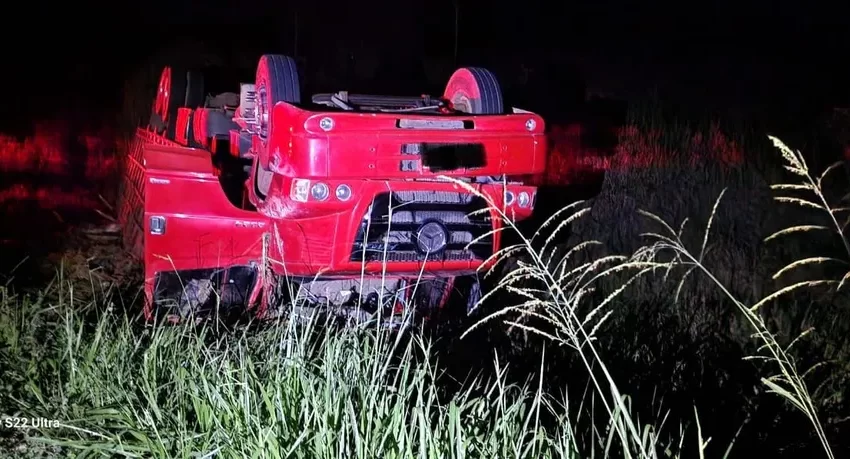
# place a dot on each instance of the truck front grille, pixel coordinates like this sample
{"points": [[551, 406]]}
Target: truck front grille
{"points": [[392, 226]]}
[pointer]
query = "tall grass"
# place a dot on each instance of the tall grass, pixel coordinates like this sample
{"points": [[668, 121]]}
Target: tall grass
{"points": [[122, 390], [567, 301]]}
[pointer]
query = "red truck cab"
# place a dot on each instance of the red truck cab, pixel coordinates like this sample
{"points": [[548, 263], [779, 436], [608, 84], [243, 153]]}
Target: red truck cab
{"points": [[352, 198]]}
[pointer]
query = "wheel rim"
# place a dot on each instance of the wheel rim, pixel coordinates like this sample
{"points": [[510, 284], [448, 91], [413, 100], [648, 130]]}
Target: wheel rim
{"points": [[461, 102], [262, 111]]}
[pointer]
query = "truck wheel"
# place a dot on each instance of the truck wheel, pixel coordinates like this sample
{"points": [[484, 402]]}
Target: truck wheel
{"points": [[476, 91], [276, 81], [178, 87]]}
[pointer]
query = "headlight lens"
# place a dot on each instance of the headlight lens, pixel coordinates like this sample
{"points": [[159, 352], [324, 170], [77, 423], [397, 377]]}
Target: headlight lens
{"points": [[319, 191], [523, 199], [343, 192], [509, 198]]}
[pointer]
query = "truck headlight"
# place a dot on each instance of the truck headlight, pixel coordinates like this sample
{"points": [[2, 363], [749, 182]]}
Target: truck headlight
{"points": [[523, 199], [319, 191], [509, 198], [343, 192]]}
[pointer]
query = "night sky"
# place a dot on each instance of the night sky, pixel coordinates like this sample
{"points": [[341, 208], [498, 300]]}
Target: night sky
{"points": [[710, 51]]}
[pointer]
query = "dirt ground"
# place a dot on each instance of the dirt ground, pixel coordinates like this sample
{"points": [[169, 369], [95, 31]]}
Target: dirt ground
{"points": [[51, 229]]}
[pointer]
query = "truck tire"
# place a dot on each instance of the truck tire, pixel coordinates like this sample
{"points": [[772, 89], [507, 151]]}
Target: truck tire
{"points": [[476, 91], [178, 87], [276, 81]]}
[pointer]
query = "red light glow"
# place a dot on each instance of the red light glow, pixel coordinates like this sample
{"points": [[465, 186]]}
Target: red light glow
{"points": [[48, 151], [569, 157]]}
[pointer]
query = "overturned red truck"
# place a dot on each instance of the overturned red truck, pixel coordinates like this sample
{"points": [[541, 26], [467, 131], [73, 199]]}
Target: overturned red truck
{"points": [[354, 199]]}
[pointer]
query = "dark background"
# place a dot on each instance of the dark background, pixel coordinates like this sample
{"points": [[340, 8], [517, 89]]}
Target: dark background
{"points": [[723, 54]]}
